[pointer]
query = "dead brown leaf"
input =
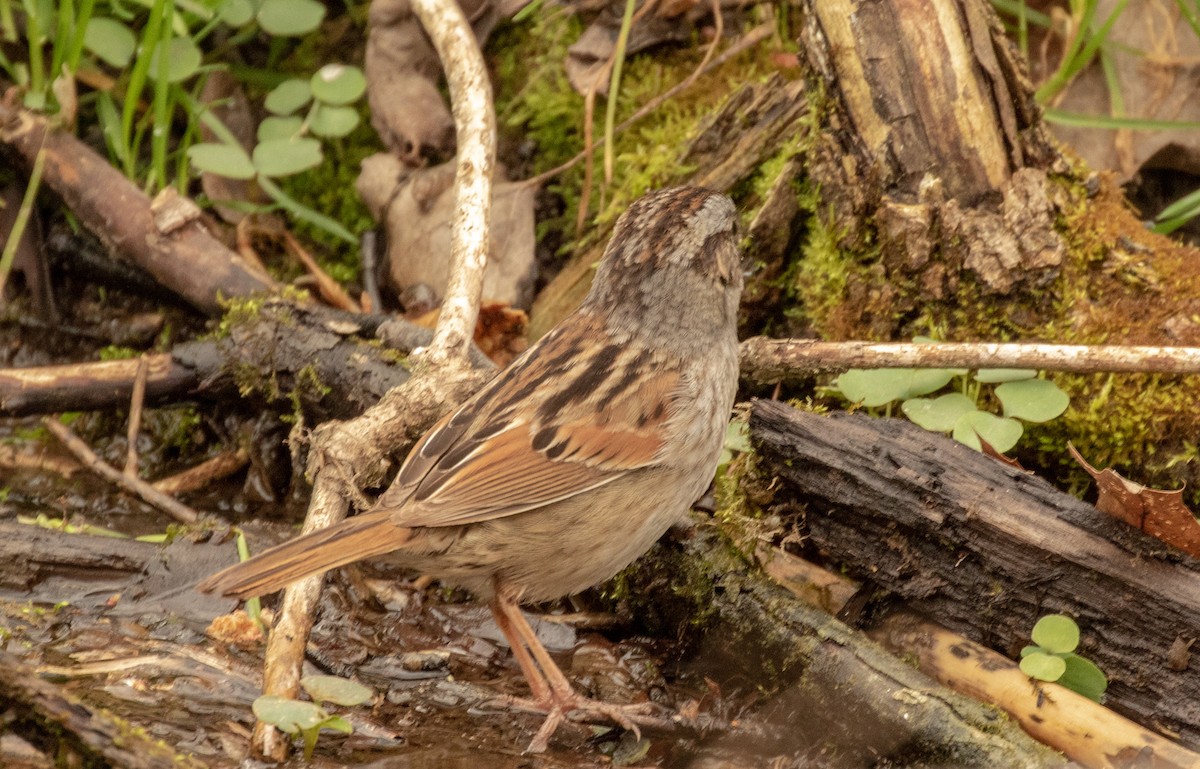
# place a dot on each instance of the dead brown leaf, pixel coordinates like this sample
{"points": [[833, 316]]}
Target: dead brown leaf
{"points": [[499, 332], [991, 452], [1153, 54], [418, 205], [407, 109], [1160, 514]]}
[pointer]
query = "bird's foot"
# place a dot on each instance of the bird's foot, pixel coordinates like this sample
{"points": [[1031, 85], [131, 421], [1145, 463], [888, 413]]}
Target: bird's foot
{"points": [[575, 707]]}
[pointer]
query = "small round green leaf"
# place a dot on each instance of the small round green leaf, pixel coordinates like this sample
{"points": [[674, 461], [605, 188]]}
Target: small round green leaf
{"points": [[290, 18], [1034, 400], [1043, 667], [923, 381], [1027, 650], [1001, 434], [996, 375], [339, 691], [338, 724], [937, 414], [221, 159], [235, 13], [279, 128], [287, 97], [872, 387], [183, 59], [291, 716], [1083, 677], [332, 122], [110, 40], [737, 436], [338, 84], [1056, 633], [876, 387], [283, 157]]}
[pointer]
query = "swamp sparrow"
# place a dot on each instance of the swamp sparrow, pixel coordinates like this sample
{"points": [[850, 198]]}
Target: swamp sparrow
{"points": [[570, 463]]}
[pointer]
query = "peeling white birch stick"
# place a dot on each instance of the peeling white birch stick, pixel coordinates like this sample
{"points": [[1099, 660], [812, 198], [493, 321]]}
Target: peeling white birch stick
{"points": [[767, 361], [475, 132]]}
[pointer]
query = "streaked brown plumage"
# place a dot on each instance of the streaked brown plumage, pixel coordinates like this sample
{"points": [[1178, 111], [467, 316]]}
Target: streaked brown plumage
{"points": [[570, 463]]}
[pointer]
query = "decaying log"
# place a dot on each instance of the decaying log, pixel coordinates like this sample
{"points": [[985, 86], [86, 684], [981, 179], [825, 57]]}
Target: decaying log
{"points": [[1084, 730], [48, 566], [814, 670], [329, 360], [987, 549], [181, 255], [938, 151], [87, 386], [62, 726], [30, 556]]}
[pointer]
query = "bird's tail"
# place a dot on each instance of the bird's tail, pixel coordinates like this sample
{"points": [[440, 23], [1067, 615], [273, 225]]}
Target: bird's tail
{"points": [[356, 538]]}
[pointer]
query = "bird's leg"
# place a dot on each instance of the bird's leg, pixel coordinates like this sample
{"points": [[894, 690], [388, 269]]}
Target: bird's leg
{"points": [[552, 692], [538, 685]]}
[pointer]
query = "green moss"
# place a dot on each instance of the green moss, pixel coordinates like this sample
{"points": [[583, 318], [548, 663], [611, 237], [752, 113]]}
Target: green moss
{"points": [[117, 352], [308, 388], [533, 98], [535, 102], [238, 311], [180, 428], [825, 270]]}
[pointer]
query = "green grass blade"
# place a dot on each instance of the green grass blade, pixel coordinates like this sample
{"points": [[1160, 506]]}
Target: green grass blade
{"points": [[304, 213], [1077, 120]]}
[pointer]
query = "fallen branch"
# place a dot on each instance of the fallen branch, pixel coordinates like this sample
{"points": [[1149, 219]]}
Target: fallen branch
{"points": [[325, 358], [187, 259], [198, 476], [91, 386], [130, 483], [1083, 730]]}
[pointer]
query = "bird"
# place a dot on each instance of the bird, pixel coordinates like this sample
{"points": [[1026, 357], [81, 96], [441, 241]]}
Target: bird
{"points": [[570, 463]]}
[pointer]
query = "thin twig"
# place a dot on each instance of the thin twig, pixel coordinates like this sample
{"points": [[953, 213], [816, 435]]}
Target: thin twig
{"points": [[475, 134], [138, 487], [198, 476], [136, 400], [768, 361], [329, 289], [589, 113]]}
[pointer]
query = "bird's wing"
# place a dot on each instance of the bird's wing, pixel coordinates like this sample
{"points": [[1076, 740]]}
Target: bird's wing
{"points": [[576, 412]]}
